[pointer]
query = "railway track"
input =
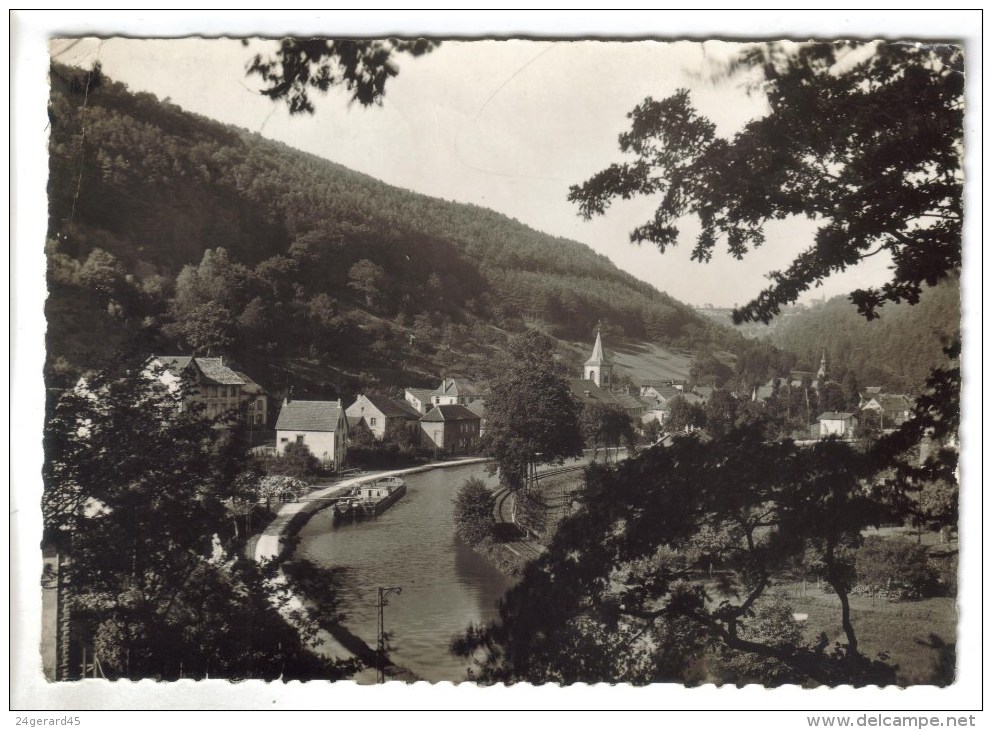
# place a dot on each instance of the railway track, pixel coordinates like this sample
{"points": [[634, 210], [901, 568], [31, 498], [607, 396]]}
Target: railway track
{"points": [[501, 497], [527, 549]]}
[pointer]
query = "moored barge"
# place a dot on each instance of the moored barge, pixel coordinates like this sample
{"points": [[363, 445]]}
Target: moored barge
{"points": [[369, 500]]}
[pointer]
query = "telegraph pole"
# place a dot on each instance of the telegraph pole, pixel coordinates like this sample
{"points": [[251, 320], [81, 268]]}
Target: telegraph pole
{"points": [[251, 425], [380, 659]]}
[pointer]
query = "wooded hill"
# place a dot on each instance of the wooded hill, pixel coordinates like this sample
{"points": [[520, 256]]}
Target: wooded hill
{"points": [[896, 351], [171, 232]]}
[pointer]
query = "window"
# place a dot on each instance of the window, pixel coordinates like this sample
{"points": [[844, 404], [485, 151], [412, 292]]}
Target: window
{"points": [[299, 438], [284, 440], [372, 421]]}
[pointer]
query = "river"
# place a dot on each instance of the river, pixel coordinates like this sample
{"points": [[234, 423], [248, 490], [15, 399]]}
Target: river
{"points": [[446, 585]]}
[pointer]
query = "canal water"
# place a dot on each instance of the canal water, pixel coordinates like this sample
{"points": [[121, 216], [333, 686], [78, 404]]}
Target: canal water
{"points": [[446, 585]]}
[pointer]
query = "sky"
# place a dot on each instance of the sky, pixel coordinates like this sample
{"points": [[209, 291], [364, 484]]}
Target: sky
{"points": [[505, 124]]}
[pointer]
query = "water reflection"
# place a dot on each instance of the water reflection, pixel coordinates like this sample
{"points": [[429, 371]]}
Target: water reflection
{"points": [[413, 545]]}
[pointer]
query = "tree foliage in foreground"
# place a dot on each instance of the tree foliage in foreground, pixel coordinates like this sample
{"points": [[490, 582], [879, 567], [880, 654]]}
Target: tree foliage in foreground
{"points": [[303, 65], [864, 139], [624, 593], [136, 497]]}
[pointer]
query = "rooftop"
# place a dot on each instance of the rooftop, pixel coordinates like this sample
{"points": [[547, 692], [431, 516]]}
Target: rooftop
{"points": [[309, 415], [587, 391], [452, 412], [599, 356], [213, 369], [455, 387], [834, 416], [390, 407]]}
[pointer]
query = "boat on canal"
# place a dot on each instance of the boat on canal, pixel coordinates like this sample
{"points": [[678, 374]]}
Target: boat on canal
{"points": [[369, 500]]}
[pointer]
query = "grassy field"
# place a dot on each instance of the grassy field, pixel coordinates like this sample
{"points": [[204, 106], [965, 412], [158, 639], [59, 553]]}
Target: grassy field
{"points": [[916, 635], [647, 361]]}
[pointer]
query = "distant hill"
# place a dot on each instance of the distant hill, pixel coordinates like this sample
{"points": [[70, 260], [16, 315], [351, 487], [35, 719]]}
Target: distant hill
{"points": [[172, 232], [896, 351], [751, 330]]}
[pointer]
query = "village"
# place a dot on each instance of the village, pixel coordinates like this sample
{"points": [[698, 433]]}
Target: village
{"points": [[450, 420]]}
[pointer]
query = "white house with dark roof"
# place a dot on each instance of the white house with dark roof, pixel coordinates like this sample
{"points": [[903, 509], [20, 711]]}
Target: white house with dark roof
{"points": [[380, 413], [834, 423], [455, 391], [664, 388], [419, 398], [321, 425], [888, 410], [661, 391], [452, 428]]}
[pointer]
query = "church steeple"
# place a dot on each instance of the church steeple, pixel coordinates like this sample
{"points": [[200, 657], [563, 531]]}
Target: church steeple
{"points": [[821, 374], [599, 367]]}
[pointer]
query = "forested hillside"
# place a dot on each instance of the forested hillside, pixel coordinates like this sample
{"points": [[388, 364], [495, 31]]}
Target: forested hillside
{"points": [[174, 232], [896, 351]]}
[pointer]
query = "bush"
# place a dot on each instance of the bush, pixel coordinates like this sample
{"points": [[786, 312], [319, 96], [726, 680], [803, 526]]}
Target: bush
{"points": [[896, 564], [296, 461], [474, 512]]}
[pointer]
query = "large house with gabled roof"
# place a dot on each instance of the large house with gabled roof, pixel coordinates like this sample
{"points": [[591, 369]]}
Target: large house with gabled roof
{"points": [[451, 428], [320, 425], [888, 410], [380, 414], [224, 393]]}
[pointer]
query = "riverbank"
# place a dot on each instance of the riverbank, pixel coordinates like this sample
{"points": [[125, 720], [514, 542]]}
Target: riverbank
{"points": [[272, 543], [516, 541], [293, 515]]}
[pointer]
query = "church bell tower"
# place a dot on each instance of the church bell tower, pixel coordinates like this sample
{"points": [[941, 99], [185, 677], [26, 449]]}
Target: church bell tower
{"points": [[599, 367]]}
